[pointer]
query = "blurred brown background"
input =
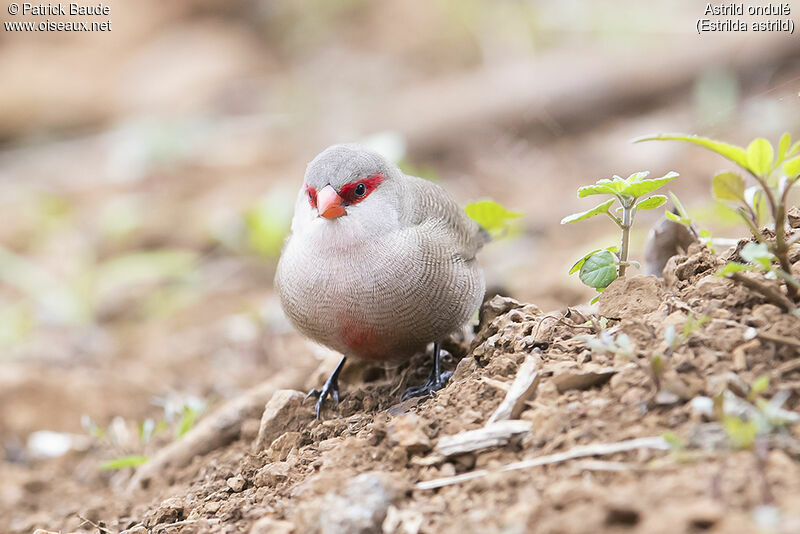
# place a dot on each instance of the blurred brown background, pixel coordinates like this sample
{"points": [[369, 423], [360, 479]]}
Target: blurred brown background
{"points": [[147, 173]]}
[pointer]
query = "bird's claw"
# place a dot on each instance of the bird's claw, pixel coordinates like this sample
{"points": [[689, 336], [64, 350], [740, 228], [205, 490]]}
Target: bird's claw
{"points": [[330, 389], [434, 383]]}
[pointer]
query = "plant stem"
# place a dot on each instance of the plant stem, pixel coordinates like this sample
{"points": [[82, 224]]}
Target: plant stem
{"points": [[778, 211], [781, 246], [753, 228], [627, 222]]}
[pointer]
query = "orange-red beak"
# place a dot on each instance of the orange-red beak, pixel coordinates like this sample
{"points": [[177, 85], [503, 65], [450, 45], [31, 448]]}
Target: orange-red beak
{"points": [[329, 203]]}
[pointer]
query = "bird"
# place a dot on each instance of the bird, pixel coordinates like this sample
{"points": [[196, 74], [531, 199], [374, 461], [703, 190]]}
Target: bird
{"points": [[378, 264]]}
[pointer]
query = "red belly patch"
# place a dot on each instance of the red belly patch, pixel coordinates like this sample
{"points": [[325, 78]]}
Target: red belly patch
{"points": [[361, 339]]}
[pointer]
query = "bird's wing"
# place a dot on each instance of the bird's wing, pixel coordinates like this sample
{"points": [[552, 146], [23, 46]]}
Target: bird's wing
{"points": [[429, 204]]}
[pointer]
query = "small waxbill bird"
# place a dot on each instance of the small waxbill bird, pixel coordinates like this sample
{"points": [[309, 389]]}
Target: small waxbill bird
{"points": [[378, 263]]}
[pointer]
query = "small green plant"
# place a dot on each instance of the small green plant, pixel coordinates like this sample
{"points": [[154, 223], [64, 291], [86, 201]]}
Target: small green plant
{"points": [[600, 267], [605, 342], [775, 174], [673, 340], [129, 440]]}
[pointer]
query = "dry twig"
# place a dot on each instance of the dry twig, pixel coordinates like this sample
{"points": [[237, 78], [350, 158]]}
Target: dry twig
{"points": [[771, 294], [775, 338], [581, 451], [492, 435], [523, 388]]}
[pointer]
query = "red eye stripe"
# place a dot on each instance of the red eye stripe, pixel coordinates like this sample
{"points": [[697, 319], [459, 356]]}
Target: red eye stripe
{"points": [[311, 193], [348, 192]]}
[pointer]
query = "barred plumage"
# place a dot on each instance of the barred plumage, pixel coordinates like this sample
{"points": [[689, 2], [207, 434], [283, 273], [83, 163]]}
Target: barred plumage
{"points": [[396, 272]]}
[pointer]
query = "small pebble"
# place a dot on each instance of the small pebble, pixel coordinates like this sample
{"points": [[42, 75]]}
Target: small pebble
{"points": [[236, 484]]}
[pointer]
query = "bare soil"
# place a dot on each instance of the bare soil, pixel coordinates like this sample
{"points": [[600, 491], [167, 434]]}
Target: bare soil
{"points": [[356, 470]]}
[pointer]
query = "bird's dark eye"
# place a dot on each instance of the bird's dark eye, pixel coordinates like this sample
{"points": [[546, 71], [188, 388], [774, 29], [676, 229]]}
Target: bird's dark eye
{"points": [[360, 190]]}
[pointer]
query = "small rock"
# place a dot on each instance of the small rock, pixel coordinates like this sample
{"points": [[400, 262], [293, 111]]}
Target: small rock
{"points": [[765, 315], [280, 448], [359, 507], [236, 484], [169, 511], [794, 217], [464, 368], [405, 432], [666, 398], [496, 306], [580, 379], [269, 525], [271, 474], [283, 412]]}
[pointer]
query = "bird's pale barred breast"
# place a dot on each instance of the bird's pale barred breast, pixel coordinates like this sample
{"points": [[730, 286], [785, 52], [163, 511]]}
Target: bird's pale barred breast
{"points": [[381, 302]]}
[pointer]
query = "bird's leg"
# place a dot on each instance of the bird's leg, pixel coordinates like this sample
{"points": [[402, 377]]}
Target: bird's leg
{"points": [[436, 381], [331, 388]]}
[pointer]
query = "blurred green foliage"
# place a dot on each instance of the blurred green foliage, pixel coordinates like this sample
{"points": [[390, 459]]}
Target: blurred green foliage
{"points": [[492, 216], [267, 224]]}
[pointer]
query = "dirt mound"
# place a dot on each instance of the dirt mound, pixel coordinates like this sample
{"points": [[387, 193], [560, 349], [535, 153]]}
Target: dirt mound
{"points": [[629, 421]]}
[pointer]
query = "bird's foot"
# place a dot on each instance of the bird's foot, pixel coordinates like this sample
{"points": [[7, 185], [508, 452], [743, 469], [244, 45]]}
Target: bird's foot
{"points": [[330, 389], [434, 383]]}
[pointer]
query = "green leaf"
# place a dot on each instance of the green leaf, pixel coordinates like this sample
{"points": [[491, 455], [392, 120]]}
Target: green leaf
{"points": [[728, 186], [674, 442], [492, 216], [756, 198], [759, 156], [757, 253], [732, 152], [792, 167], [597, 210], [793, 150], [733, 267], [578, 264], [675, 218], [188, 419], [637, 177], [651, 203], [742, 434], [602, 187], [783, 146], [599, 269], [642, 187], [122, 462], [760, 385], [576, 267], [678, 205]]}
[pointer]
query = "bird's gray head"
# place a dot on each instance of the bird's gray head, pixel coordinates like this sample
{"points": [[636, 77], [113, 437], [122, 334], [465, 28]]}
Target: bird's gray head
{"points": [[344, 176], [351, 189]]}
